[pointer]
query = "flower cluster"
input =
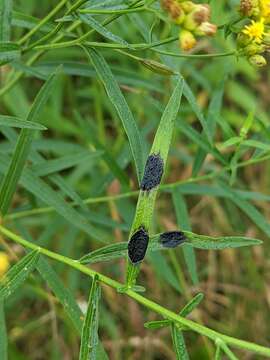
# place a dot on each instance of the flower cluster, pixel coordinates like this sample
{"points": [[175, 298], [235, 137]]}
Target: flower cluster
{"points": [[254, 38], [194, 20]]}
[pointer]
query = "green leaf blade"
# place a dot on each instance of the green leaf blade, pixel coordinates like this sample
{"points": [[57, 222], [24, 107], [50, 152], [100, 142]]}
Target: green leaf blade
{"points": [[15, 277]]}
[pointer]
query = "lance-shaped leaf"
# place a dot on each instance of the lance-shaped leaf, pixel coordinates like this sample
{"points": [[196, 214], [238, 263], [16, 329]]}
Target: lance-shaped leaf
{"points": [[119, 102], [22, 148], [18, 274], [12, 121], [156, 243], [89, 339], [179, 343], [219, 243], [153, 172]]}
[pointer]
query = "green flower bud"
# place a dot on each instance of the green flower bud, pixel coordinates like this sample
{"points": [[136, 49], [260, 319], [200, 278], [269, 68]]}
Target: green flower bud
{"points": [[243, 40], [253, 49], [257, 60]]}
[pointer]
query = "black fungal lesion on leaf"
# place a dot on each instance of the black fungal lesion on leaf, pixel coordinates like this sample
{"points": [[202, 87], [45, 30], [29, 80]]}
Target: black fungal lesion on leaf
{"points": [[153, 172], [137, 245], [171, 239]]}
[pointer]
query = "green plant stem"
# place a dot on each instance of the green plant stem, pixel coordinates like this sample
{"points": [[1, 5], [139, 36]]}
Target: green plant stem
{"points": [[78, 42], [121, 11], [196, 56], [200, 329], [59, 26], [18, 75], [44, 21], [102, 199]]}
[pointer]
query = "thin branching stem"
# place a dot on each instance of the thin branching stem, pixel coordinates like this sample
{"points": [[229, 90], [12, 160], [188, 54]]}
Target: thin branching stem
{"points": [[151, 305]]}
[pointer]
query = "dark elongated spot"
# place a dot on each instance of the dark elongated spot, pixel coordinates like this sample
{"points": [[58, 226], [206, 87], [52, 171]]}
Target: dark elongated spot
{"points": [[152, 173], [137, 246], [171, 239]]}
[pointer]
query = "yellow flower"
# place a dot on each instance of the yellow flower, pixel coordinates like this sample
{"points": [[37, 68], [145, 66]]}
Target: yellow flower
{"points": [[255, 30], [4, 263], [265, 8]]}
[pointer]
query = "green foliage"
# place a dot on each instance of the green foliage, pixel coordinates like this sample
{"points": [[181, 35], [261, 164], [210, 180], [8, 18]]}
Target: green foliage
{"points": [[75, 191]]}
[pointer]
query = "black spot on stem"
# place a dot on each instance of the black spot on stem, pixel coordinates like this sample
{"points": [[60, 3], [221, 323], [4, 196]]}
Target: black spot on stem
{"points": [[171, 239], [152, 173], [137, 245]]}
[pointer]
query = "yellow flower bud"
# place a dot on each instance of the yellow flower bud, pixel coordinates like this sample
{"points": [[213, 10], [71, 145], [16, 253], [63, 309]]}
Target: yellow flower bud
{"points": [[186, 40], [4, 263], [257, 60], [188, 6]]}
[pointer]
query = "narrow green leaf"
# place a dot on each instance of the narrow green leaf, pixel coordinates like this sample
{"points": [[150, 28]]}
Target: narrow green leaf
{"points": [[218, 353], [16, 122], [256, 144], [52, 198], [230, 142], [219, 243], [116, 97], [179, 343], [3, 332], [184, 224], [18, 274], [160, 148], [247, 208], [89, 339], [192, 304], [106, 253], [5, 19], [9, 52], [22, 149], [187, 92], [93, 23], [158, 324], [51, 166]]}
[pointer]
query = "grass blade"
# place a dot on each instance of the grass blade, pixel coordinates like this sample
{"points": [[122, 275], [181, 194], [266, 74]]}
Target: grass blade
{"points": [[89, 338], [116, 97], [18, 274], [16, 122], [63, 163], [22, 148]]}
